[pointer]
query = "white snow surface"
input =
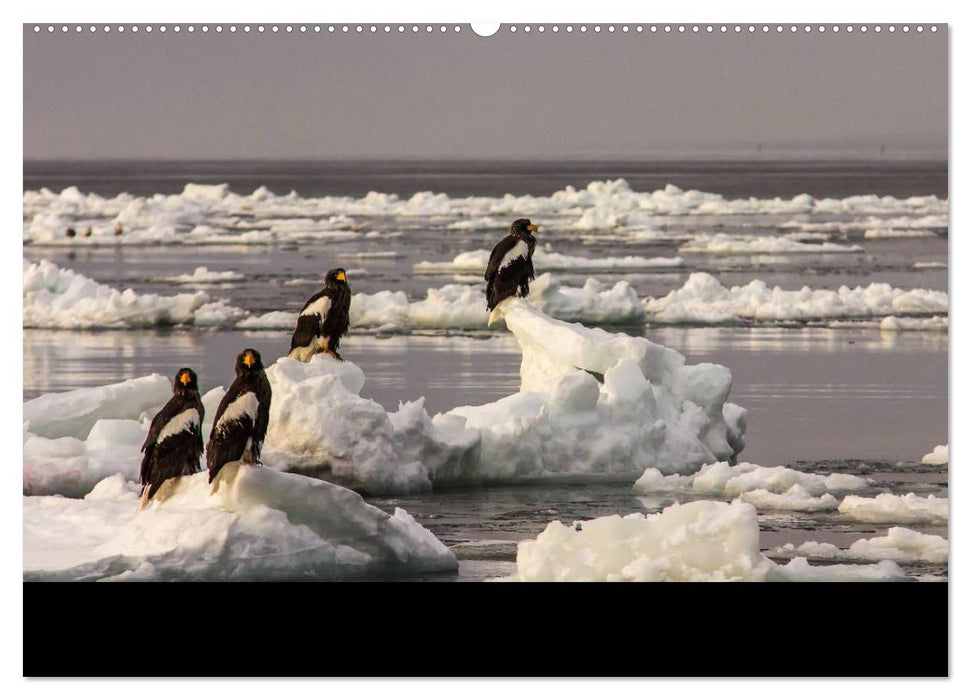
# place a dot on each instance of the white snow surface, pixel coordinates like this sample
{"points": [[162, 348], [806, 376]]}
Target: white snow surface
{"points": [[767, 488], [900, 544], [697, 541], [58, 298], [259, 524], [891, 508], [703, 299], [476, 261], [651, 410], [726, 244], [937, 456], [74, 413]]}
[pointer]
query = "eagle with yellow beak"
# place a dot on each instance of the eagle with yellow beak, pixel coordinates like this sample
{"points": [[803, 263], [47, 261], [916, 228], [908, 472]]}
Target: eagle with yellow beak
{"points": [[511, 264], [174, 443], [242, 417], [323, 319]]}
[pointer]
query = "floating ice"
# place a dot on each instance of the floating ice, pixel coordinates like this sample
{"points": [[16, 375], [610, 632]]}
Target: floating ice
{"points": [[767, 488], [259, 525], [592, 405], [462, 307], [703, 299], [74, 413], [890, 508], [59, 298], [203, 275], [212, 214], [937, 456], [63, 455], [725, 244], [477, 260], [651, 409], [698, 541], [900, 544]]}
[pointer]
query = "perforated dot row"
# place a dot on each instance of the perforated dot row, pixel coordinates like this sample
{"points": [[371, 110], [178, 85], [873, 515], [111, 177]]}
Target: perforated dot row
{"points": [[712, 28], [442, 29], [250, 28]]}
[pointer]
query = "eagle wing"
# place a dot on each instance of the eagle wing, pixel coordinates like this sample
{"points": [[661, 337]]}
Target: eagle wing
{"points": [[161, 419], [308, 328], [498, 254]]}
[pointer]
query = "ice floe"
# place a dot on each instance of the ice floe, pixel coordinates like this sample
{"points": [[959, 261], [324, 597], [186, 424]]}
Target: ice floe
{"points": [[213, 214], [698, 541], [74, 439], [727, 244], [462, 307], [900, 544], [703, 299], [476, 261], [58, 298], [592, 405], [936, 456], [891, 508], [767, 488], [259, 524]]}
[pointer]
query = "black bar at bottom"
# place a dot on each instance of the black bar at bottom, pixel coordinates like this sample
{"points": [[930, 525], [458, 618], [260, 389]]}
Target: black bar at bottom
{"points": [[481, 630]]}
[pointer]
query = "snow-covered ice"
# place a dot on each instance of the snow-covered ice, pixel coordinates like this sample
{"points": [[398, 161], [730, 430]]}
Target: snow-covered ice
{"points": [[900, 544], [936, 456], [891, 508], [462, 307], [58, 298], [703, 299], [593, 405], [698, 541], [259, 524], [651, 409], [213, 214], [767, 488], [476, 261], [74, 413]]}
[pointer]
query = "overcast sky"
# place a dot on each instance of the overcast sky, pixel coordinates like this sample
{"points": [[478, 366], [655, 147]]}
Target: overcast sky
{"points": [[459, 95]]}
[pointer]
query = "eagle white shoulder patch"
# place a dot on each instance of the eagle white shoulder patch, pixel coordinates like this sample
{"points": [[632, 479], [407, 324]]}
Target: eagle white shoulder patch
{"points": [[520, 250], [245, 405], [320, 306], [182, 422]]}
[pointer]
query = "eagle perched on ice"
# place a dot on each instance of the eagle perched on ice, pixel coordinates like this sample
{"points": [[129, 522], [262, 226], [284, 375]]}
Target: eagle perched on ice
{"points": [[323, 319], [511, 264], [174, 443], [242, 417]]}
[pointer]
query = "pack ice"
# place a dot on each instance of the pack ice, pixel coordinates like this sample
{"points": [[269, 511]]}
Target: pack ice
{"points": [[259, 524], [697, 541], [592, 405], [59, 298], [767, 488], [703, 299]]}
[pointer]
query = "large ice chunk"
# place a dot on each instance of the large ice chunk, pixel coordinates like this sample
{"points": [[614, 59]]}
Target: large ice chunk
{"points": [[698, 541], [259, 524]]}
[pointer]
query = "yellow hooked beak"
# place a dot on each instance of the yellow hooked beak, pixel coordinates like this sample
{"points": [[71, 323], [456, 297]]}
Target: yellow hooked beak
{"points": [[341, 276], [532, 227], [185, 378], [248, 359]]}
